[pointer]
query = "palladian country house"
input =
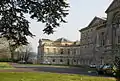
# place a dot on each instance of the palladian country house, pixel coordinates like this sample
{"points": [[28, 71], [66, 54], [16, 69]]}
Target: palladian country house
{"points": [[99, 43]]}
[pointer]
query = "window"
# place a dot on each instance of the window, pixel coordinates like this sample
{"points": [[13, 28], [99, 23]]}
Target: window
{"points": [[74, 51], [102, 39], [53, 60], [61, 60], [74, 60], [68, 51], [102, 42], [66, 44], [48, 50], [91, 29], [54, 50], [61, 51], [102, 33], [114, 28]]}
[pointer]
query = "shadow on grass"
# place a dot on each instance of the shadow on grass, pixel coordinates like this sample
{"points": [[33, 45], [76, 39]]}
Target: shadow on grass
{"points": [[81, 71]]}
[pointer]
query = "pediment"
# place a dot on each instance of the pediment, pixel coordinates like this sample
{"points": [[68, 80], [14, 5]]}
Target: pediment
{"points": [[115, 4], [96, 21]]}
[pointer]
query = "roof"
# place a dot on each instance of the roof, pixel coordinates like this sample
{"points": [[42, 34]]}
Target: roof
{"points": [[62, 40], [94, 22], [115, 4], [48, 40]]}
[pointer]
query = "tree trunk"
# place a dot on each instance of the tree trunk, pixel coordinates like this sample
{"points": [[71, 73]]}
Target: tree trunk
{"points": [[12, 55]]}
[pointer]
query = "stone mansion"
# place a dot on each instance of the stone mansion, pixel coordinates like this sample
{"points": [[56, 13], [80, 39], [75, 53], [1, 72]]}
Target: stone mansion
{"points": [[99, 43]]}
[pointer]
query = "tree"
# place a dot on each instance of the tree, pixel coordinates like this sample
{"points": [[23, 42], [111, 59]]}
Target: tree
{"points": [[24, 52], [117, 61], [4, 49], [28, 50], [12, 48], [15, 27]]}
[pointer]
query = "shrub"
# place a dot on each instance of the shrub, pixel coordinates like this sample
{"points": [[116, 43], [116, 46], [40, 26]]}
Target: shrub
{"points": [[5, 60]]}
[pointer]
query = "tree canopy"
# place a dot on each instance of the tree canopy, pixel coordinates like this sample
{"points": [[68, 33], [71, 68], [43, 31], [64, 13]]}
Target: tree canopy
{"points": [[15, 27]]}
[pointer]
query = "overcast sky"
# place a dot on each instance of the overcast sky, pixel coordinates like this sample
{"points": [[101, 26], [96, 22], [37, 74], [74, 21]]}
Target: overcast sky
{"points": [[80, 15]]}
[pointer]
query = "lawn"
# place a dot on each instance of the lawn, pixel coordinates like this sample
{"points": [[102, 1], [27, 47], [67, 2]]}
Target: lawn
{"points": [[5, 65], [35, 76]]}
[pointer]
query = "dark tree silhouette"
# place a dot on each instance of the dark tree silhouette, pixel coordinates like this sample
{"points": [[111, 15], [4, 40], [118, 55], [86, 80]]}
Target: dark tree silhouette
{"points": [[15, 27]]}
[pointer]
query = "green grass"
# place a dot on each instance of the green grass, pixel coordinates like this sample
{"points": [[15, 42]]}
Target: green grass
{"points": [[32, 76], [5, 65]]}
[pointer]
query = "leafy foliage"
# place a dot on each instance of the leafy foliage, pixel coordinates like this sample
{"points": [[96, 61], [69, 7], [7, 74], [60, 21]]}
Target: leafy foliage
{"points": [[15, 27], [117, 60]]}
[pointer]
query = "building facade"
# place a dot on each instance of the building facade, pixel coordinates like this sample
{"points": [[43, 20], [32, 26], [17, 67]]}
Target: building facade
{"points": [[61, 51], [99, 43], [93, 40], [101, 39]]}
